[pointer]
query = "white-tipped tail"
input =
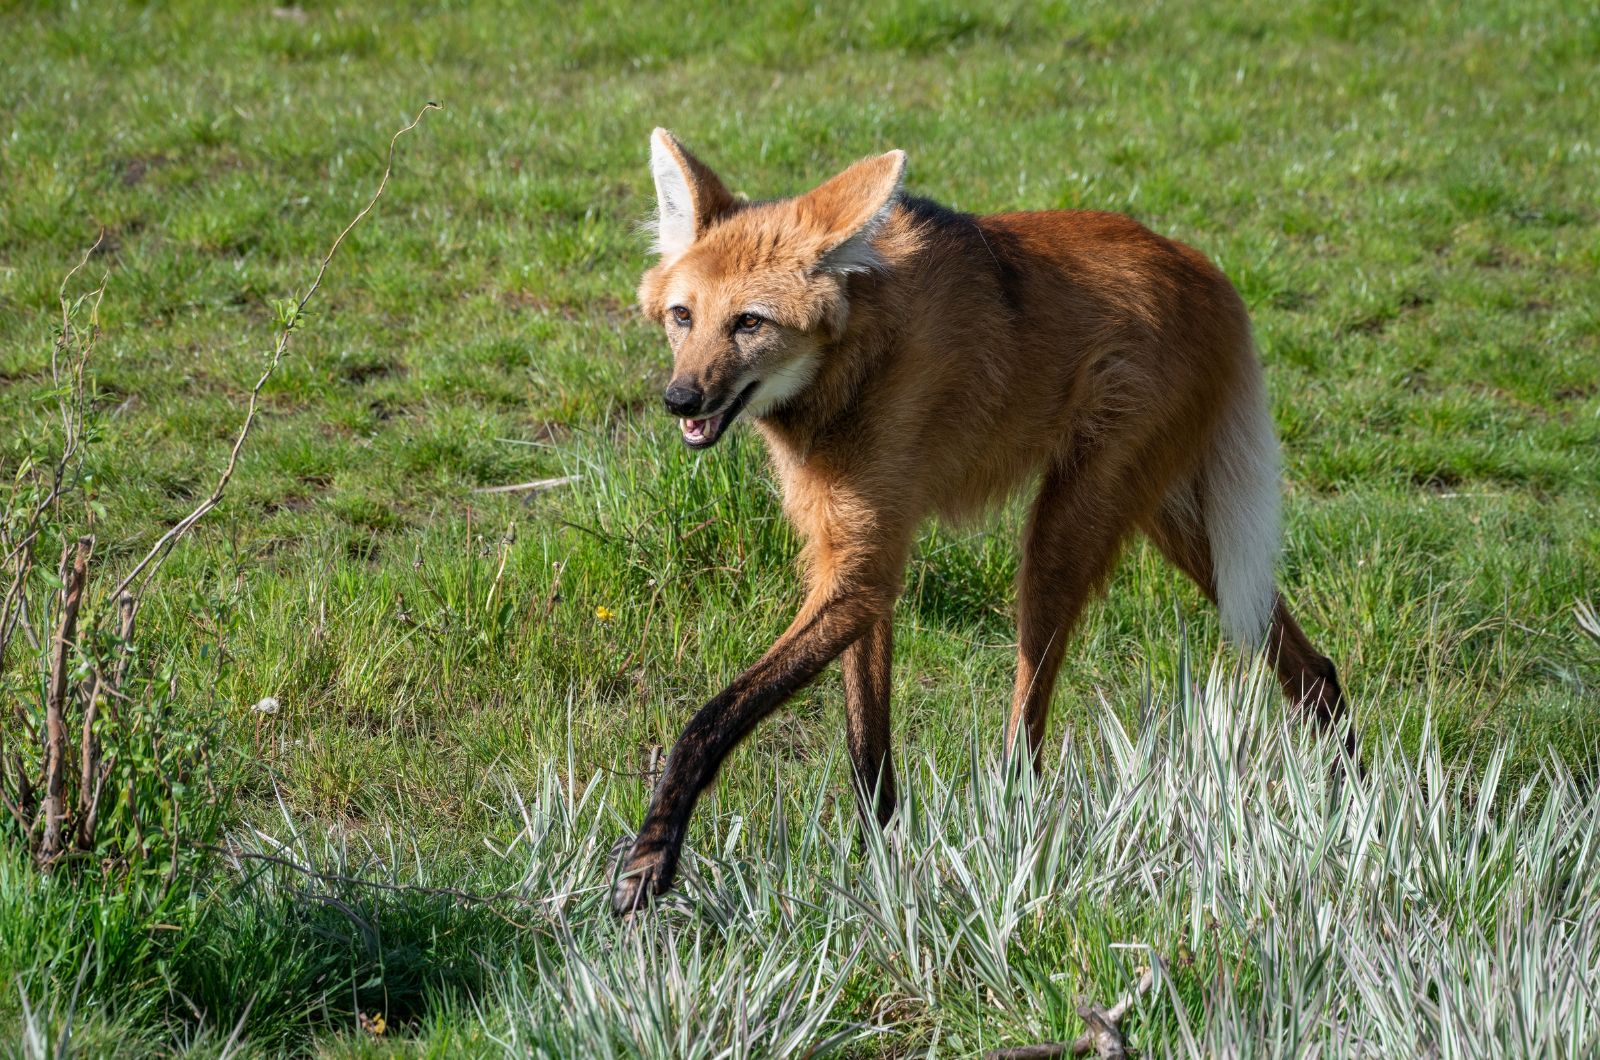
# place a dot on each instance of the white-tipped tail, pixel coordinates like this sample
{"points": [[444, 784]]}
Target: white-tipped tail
{"points": [[1241, 494]]}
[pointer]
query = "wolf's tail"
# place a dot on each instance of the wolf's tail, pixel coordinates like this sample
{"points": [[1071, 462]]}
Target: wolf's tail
{"points": [[1241, 497]]}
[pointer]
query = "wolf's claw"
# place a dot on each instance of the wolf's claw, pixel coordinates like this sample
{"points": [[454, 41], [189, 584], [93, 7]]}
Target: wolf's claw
{"points": [[639, 883]]}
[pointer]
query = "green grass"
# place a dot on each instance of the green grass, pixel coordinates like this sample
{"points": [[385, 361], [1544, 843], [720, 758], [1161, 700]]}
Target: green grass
{"points": [[1405, 196]]}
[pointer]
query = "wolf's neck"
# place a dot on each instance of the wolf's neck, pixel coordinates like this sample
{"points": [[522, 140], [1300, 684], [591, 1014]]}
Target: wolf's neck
{"points": [[845, 371]]}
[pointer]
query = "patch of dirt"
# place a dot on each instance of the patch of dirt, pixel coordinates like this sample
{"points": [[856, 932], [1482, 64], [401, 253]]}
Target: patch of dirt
{"points": [[383, 411], [21, 375], [1440, 481], [363, 550], [550, 431], [608, 309], [292, 504], [527, 300], [133, 170], [361, 372], [1379, 322]]}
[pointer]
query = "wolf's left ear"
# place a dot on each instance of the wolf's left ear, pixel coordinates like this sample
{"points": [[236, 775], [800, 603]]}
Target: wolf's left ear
{"points": [[688, 195], [846, 212]]}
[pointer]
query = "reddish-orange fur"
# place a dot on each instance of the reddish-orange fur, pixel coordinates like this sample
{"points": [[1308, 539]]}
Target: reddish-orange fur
{"points": [[974, 356]]}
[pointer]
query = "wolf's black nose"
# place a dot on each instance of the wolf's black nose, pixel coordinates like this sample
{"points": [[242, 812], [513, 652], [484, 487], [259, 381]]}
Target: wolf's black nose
{"points": [[683, 400]]}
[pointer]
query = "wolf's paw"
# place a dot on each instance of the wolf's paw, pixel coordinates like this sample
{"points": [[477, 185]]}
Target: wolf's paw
{"points": [[644, 875]]}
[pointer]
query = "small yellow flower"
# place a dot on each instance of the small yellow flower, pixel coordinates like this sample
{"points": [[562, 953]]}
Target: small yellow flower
{"points": [[604, 613], [374, 1024]]}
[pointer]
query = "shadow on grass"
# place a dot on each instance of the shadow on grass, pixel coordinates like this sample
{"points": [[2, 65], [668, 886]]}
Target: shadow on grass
{"points": [[290, 959]]}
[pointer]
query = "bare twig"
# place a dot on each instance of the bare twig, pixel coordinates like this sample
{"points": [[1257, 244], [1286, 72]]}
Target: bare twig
{"points": [[538, 485], [147, 567], [119, 669], [25, 792], [1103, 1038], [107, 689], [508, 539], [74, 572], [91, 819], [19, 549], [554, 594], [11, 606]]}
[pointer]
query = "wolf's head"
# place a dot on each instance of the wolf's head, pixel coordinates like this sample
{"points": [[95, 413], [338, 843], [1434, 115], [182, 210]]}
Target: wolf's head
{"points": [[749, 293]]}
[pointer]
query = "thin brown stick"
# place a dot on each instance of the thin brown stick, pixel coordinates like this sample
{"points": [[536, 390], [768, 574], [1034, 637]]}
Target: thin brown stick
{"points": [[119, 670], [555, 589], [102, 689], [11, 607], [74, 572], [25, 792], [107, 689], [91, 820], [15, 806], [1103, 1038], [538, 485], [147, 567], [508, 539], [16, 811], [88, 754]]}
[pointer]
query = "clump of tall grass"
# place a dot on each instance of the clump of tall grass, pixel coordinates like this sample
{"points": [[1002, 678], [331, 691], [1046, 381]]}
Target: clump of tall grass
{"points": [[1289, 901]]}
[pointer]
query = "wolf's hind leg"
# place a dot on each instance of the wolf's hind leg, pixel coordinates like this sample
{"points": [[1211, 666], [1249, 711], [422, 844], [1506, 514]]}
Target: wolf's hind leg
{"points": [[1306, 676], [867, 667]]}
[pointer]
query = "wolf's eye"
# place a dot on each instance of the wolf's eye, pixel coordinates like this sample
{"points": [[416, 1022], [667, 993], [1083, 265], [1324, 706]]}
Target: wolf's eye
{"points": [[681, 315], [748, 322]]}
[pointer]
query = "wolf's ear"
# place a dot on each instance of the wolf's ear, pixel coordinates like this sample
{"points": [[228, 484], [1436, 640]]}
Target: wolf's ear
{"points": [[846, 212], [688, 195]]}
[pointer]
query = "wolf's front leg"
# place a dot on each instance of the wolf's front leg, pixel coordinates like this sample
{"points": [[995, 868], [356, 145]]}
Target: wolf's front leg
{"points": [[825, 627]]}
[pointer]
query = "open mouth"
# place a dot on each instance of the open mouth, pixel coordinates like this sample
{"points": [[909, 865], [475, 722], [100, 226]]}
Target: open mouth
{"points": [[703, 433]]}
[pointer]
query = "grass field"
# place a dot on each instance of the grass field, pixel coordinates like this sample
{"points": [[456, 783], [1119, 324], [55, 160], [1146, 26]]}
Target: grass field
{"points": [[471, 685]]}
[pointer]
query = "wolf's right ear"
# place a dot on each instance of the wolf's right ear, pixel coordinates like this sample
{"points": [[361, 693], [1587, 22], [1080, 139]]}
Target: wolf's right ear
{"points": [[688, 195]]}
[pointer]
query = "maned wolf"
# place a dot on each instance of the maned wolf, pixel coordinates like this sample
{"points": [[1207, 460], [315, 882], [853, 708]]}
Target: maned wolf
{"points": [[903, 360]]}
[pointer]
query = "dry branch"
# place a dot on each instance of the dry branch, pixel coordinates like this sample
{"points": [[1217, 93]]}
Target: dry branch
{"points": [[74, 573], [1103, 1038], [103, 689], [538, 485]]}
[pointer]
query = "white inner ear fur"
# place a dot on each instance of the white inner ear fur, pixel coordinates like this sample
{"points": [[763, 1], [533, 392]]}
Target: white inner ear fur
{"points": [[856, 253], [675, 221]]}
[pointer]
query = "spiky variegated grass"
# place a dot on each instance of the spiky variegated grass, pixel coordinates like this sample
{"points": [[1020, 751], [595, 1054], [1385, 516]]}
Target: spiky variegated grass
{"points": [[1421, 289], [1294, 904]]}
